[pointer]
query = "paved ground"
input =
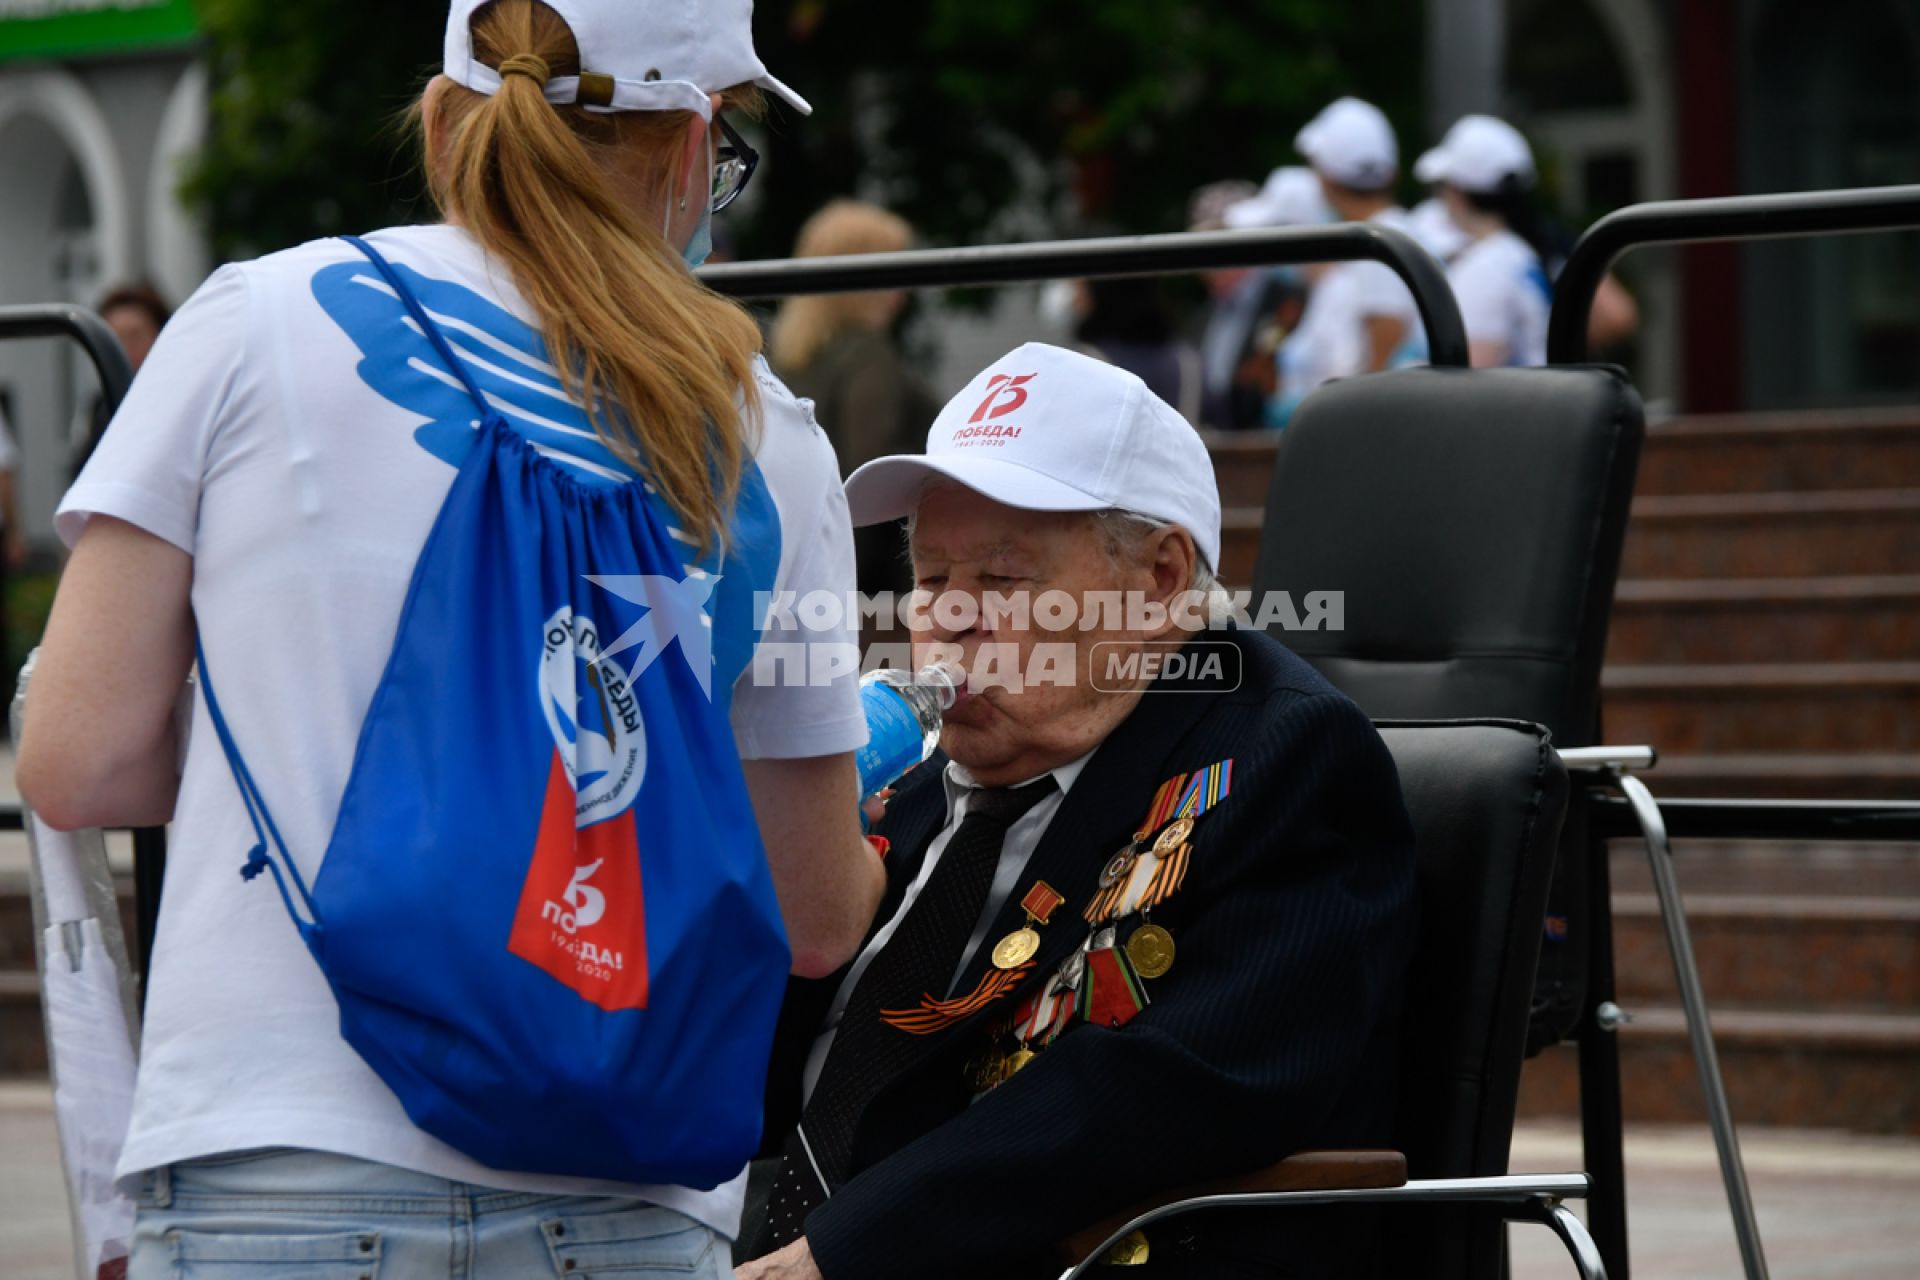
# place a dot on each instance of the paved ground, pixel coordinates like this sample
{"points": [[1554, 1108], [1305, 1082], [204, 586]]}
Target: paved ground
{"points": [[1831, 1207]]}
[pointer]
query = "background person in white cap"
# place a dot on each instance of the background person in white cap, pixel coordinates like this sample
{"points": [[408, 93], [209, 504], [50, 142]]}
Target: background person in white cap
{"points": [[272, 478], [1484, 174], [1247, 323], [1016, 1054], [1362, 317]]}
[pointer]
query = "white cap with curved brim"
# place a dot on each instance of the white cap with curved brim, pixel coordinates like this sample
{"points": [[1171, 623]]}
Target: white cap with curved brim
{"points": [[1478, 154], [1047, 429], [636, 55], [1352, 143], [1291, 197]]}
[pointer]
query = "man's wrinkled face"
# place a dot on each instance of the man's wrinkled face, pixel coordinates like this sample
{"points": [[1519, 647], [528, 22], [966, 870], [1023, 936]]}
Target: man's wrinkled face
{"points": [[966, 550]]}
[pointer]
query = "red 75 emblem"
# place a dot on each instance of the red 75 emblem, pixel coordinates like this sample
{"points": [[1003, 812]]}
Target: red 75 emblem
{"points": [[1005, 393]]}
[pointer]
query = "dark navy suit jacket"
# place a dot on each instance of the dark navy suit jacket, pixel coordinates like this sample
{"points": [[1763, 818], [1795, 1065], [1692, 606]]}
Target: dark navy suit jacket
{"points": [[1274, 1032]]}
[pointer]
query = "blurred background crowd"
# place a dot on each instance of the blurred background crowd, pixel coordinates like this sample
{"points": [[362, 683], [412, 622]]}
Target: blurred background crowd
{"points": [[144, 143]]}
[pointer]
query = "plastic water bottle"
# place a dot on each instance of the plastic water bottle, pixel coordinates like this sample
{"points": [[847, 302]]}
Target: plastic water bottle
{"points": [[903, 720]]}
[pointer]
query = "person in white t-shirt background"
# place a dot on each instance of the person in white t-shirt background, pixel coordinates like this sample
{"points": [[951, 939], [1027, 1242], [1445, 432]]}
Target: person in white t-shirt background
{"points": [[1484, 175], [263, 488], [1361, 317]]}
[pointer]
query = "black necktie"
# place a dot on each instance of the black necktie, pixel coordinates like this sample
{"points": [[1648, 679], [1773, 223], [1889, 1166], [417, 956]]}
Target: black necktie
{"points": [[918, 959]]}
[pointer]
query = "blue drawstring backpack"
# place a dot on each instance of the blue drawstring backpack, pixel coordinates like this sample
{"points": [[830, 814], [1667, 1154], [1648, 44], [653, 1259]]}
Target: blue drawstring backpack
{"points": [[545, 909]]}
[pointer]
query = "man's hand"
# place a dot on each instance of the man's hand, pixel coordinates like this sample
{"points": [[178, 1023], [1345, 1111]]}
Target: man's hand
{"points": [[795, 1262]]}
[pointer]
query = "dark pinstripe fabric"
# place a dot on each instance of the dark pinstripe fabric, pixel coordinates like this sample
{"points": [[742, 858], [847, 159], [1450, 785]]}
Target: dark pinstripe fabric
{"points": [[917, 958], [1274, 1032]]}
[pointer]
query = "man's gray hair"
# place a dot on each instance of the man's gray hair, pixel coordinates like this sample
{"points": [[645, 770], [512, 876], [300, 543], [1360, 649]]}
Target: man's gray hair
{"points": [[1121, 531]]}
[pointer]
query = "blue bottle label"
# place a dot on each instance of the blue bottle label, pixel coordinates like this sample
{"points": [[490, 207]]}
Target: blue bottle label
{"points": [[895, 739]]}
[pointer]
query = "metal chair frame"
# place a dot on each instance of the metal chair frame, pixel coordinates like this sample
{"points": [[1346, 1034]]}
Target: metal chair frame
{"points": [[1527, 1197]]}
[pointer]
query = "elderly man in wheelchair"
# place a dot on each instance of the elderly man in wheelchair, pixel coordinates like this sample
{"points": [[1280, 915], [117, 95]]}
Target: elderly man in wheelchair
{"points": [[1150, 916]]}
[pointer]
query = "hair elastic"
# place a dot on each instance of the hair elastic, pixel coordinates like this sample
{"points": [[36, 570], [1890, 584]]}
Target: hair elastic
{"points": [[530, 65]]}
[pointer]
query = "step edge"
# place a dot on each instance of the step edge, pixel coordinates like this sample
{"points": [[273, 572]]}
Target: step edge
{"points": [[1706, 507], [1893, 1032], [1771, 908], [1634, 677]]}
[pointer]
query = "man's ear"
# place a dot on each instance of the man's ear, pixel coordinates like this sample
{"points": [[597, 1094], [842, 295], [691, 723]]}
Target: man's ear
{"points": [[1173, 559]]}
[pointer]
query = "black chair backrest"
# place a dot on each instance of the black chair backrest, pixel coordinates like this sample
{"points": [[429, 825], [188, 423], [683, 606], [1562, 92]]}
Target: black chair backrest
{"points": [[1474, 520], [1486, 798]]}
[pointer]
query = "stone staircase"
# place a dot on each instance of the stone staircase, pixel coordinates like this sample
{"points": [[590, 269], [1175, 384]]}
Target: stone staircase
{"points": [[1766, 638]]}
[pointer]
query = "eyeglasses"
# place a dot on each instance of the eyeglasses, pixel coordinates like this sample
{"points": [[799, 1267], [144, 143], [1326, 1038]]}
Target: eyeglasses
{"points": [[733, 165]]}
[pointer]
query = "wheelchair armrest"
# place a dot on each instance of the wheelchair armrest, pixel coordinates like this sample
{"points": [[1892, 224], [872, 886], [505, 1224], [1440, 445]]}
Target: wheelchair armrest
{"points": [[1302, 1171]]}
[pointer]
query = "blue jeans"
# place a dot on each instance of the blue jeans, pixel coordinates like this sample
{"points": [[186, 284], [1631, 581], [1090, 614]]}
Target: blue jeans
{"points": [[306, 1215]]}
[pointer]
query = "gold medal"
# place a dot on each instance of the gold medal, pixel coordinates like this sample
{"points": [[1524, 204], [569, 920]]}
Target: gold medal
{"points": [[1173, 837], [1015, 1061], [1130, 1252], [1016, 948], [1151, 950]]}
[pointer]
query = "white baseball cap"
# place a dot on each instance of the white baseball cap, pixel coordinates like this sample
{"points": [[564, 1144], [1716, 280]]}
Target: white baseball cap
{"points": [[1047, 429], [636, 55], [1478, 154], [1291, 197], [1351, 142]]}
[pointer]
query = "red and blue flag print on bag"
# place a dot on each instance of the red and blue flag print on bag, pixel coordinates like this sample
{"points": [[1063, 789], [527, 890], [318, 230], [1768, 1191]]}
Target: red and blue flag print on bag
{"points": [[545, 909]]}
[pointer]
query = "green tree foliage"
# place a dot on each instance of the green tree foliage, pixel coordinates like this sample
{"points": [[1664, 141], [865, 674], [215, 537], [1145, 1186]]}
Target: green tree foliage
{"points": [[956, 111], [307, 134]]}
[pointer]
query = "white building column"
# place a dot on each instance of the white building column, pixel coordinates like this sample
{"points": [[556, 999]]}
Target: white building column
{"points": [[1466, 59]]}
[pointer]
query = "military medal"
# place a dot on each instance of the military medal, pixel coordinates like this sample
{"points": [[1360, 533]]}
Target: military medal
{"points": [[1016, 949], [1023, 943], [1187, 795], [1175, 835], [1131, 1251], [1012, 960], [1112, 994], [1151, 950], [1118, 866], [1152, 867]]}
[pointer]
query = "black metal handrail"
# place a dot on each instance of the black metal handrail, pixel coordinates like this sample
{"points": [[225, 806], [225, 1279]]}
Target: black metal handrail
{"points": [[63, 320], [1118, 256], [1768, 217], [1717, 819]]}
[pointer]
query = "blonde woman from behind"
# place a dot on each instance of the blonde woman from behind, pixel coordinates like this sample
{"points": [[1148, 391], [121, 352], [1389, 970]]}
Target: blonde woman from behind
{"points": [[270, 485]]}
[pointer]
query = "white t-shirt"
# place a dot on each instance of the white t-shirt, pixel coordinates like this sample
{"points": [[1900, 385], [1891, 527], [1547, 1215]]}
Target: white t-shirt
{"points": [[1331, 340], [258, 440], [1504, 296]]}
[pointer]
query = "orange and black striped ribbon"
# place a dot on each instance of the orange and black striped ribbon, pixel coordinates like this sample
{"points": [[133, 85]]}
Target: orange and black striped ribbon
{"points": [[937, 1015]]}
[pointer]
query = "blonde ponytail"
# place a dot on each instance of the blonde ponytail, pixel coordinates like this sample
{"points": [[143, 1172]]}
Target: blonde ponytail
{"points": [[661, 363]]}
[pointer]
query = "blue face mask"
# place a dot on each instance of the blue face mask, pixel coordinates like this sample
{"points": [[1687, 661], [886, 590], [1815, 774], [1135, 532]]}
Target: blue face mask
{"points": [[700, 246]]}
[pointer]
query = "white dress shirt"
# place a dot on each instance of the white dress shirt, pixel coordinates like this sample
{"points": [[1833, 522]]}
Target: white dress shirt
{"points": [[1022, 838]]}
